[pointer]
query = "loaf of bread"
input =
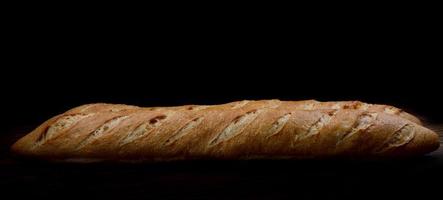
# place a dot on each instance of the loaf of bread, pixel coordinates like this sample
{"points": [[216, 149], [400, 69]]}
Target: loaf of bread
{"points": [[267, 129]]}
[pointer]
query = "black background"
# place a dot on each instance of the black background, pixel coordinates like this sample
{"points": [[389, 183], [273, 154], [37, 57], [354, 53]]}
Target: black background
{"points": [[52, 64], [55, 61]]}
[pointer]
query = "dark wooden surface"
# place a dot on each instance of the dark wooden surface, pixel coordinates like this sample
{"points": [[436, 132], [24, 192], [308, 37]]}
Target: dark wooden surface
{"points": [[344, 179]]}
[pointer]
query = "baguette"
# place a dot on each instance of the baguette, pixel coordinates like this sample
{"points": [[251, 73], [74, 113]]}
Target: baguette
{"points": [[268, 129]]}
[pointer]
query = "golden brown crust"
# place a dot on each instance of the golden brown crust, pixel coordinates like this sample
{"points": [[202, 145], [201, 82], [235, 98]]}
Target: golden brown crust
{"points": [[237, 130]]}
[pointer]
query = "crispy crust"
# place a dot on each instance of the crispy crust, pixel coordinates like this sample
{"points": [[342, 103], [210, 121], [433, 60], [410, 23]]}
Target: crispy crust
{"points": [[238, 130]]}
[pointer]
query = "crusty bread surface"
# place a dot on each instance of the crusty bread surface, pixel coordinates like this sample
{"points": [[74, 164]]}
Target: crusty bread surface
{"points": [[266, 129]]}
